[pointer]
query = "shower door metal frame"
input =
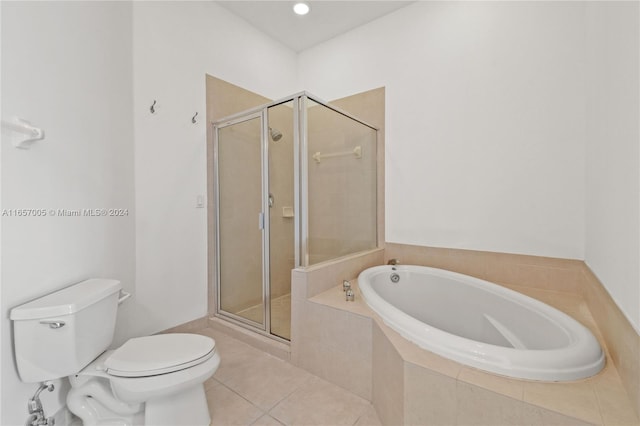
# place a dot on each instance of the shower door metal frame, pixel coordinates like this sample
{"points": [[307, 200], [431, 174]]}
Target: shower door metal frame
{"points": [[263, 222], [301, 218]]}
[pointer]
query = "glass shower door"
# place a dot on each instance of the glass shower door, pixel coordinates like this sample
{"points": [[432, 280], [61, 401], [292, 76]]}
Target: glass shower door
{"points": [[240, 220]]}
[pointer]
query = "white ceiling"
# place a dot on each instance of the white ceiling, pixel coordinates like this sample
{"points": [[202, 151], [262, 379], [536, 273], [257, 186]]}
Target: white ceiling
{"points": [[327, 19]]}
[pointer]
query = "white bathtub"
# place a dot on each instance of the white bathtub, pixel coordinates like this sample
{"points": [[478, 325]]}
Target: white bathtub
{"points": [[481, 324]]}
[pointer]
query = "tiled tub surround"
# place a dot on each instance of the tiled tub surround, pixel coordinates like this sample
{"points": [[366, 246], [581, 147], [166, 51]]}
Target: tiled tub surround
{"points": [[621, 339], [528, 273], [332, 344], [345, 343], [414, 386]]}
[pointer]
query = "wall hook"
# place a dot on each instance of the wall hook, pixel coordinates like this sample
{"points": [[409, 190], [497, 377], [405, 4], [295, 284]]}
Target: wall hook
{"points": [[152, 108], [27, 133], [193, 119]]}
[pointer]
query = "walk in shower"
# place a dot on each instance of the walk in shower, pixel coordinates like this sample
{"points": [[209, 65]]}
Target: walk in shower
{"points": [[294, 185]]}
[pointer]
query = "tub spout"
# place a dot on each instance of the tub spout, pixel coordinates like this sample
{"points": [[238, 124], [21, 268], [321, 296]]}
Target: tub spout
{"points": [[393, 262]]}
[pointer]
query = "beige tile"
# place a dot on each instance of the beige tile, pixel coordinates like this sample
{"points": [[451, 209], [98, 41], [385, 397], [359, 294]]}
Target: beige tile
{"points": [[541, 272], [335, 298], [622, 341], [319, 403], [336, 345], [313, 357], [411, 352], [575, 399], [469, 262], [326, 275], [387, 379], [478, 406], [354, 374], [266, 380], [615, 406], [323, 323], [571, 304], [234, 355], [501, 385], [550, 262], [255, 340], [565, 279], [532, 276], [297, 328], [344, 330], [369, 417], [501, 272], [228, 408], [321, 279], [423, 385], [350, 370], [210, 383], [537, 416], [298, 284], [266, 420], [414, 255]]}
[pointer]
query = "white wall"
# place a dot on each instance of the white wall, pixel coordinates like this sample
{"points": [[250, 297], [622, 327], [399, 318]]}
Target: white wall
{"points": [[87, 73], [511, 127], [2, 328], [175, 44], [612, 160], [66, 67], [485, 121]]}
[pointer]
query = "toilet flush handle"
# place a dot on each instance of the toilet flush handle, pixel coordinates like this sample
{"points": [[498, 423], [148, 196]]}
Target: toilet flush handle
{"points": [[123, 296], [53, 323]]}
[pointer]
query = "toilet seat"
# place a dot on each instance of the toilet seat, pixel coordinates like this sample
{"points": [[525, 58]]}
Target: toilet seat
{"points": [[159, 354], [143, 389]]}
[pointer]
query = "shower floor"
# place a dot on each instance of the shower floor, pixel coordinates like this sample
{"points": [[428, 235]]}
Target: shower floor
{"points": [[280, 315]]}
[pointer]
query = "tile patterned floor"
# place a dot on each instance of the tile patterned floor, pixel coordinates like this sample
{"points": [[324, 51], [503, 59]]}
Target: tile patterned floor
{"points": [[252, 387]]}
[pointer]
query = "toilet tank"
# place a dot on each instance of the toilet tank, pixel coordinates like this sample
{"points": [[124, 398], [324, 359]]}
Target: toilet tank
{"points": [[57, 335]]}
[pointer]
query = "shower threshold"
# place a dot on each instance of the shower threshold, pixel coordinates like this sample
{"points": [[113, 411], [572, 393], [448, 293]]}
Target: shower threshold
{"points": [[280, 315]]}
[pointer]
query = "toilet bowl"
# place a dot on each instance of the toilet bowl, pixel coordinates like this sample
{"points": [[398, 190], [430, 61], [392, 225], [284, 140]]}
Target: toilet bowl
{"points": [[160, 376], [152, 380]]}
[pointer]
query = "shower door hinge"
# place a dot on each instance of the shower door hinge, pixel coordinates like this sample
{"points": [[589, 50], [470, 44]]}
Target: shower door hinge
{"points": [[261, 220]]}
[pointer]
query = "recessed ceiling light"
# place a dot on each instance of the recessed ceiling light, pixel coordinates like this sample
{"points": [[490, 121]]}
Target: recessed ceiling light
{"points": [[301, 8]]}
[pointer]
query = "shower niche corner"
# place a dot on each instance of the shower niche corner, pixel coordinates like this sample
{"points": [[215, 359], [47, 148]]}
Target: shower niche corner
{"points": [[295, 184]]}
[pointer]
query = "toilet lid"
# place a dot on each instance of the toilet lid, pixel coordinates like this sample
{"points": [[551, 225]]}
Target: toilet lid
{"points": [[159, 354]]}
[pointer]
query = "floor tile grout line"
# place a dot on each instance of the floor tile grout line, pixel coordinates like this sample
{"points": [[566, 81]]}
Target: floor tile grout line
{"points": [[267, 414], [268, 411], [306, 380], [361, 414], [250, 402], [599, 403], [287, 396]]}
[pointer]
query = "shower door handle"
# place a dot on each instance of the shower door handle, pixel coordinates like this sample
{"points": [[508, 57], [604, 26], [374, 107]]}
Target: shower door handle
{"points": [[261, 221]]}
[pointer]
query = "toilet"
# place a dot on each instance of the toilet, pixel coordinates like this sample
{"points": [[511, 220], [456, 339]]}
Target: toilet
{"points": [[152, 380]]}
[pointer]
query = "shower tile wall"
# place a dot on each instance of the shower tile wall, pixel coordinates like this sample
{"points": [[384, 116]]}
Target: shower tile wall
{"points": [[342, 196], [370, 107]]}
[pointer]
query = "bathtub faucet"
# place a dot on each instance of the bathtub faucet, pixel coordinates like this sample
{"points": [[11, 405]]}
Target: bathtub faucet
{"points": [[393, 262]]}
